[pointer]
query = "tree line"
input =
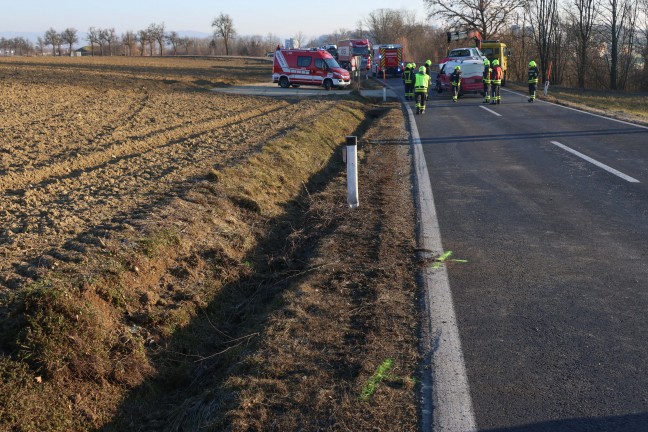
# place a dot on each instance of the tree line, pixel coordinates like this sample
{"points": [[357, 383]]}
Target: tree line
{"points": [[596, 44]]}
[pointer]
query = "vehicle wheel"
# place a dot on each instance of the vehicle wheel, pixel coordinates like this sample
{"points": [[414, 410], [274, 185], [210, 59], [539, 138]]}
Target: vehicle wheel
{"points": [[328, 84], [283, 82]]}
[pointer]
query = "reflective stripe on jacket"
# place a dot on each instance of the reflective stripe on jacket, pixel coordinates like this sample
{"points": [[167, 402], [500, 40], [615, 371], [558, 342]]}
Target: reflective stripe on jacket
{"points": [[486, 75], [407, 76], [422, 82], [533, 75], [496, 75]]}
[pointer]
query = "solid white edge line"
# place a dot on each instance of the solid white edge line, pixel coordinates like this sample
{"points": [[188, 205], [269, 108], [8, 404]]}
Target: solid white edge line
{"points": [[581, 111], [490, 110], [597, 163], [446, 402]]}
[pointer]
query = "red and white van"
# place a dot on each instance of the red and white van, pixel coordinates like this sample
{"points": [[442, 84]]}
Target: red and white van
{"points": [[297, 67]]}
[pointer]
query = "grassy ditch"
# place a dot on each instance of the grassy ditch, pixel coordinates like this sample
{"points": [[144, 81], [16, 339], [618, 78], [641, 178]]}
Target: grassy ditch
{"points": [[169, 301]]}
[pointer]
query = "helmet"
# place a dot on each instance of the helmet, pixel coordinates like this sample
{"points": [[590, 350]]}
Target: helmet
{"points": [[486, 62], [457, 67], [532, 63], [422, 69], [408, 65], [495, 62], [428, 62]]}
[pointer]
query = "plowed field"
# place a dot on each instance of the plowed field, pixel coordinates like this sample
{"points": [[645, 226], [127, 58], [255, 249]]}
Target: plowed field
{"points": [[172, 258], [86, 143]]}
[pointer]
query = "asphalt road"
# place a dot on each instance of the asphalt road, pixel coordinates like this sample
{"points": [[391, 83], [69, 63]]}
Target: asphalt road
{"points": [[552, 304]]}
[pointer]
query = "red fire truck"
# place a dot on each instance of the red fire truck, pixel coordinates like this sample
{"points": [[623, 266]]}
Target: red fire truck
{"points": [[387, 58], [354, 47]]}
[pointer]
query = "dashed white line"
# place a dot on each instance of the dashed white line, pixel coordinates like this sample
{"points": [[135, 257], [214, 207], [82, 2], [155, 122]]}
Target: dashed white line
{"points": [[490, 110], [597, 163]]}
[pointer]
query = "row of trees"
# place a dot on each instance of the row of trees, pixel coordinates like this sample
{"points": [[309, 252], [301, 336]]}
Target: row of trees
{"points": [[590, 43]]}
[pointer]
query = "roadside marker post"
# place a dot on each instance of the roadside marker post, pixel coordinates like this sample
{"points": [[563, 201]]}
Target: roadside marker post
{"points": [[352, 171], [384, 94]]}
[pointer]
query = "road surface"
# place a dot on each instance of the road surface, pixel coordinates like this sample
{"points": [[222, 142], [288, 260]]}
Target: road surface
{"points": [[549, 206]]}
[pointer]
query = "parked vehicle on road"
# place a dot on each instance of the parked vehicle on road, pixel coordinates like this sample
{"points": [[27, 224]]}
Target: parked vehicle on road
{"points": [[308, 67], [387, 58], [471, 76], [349, 48]]}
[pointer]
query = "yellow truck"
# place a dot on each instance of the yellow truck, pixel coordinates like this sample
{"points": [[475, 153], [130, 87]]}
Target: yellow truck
{"points": [[494, 49]]}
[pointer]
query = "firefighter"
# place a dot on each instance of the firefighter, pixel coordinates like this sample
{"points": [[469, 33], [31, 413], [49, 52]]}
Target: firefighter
{"points": [[421, 83], [428, 69], [496, 82], [486, 80], [455, 79], [408, 81], [533, 80]]}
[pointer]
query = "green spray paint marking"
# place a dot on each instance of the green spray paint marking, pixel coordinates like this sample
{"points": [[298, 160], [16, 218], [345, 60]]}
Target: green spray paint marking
{"points": [[380, 375], [438, 262]]}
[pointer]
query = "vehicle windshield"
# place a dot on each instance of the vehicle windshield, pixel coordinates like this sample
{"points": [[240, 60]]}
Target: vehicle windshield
{"points": [[331, 63], [459, 53], [465, 52], [361, 51]]}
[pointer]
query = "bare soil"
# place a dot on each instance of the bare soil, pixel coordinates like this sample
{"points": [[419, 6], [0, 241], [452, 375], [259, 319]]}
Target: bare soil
{"points": [[176, 259]]}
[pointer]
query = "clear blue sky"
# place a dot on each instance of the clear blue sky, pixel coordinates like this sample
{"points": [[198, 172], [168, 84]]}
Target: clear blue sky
{"points": [[283, 18]]}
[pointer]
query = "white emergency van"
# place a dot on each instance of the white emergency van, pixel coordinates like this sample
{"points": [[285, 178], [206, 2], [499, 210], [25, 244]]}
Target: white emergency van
{"points": [[308, 67]]}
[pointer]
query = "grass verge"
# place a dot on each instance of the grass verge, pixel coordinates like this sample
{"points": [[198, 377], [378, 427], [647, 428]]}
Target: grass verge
{"points": [[118, 340]]}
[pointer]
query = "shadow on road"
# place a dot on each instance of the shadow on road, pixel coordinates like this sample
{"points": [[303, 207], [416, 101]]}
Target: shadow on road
{"points": [[626, 423]]}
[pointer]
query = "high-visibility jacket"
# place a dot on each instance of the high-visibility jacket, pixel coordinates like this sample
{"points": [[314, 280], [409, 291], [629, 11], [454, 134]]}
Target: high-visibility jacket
{"points": [[422, 82], [407, 76], [496, 75], [533, 75], [486, 75]]}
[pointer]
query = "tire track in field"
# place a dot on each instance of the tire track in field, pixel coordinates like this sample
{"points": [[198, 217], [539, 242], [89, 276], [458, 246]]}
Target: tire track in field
{"points": [[48, 213]]}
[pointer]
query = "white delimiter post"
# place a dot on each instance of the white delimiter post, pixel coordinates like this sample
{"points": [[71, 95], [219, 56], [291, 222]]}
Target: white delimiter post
{"points": [[352, 171]]}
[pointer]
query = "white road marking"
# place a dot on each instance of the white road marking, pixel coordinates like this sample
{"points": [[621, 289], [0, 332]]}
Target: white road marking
{"points": [[581, 111], [446, 402], [597, 163], [490, 110]]}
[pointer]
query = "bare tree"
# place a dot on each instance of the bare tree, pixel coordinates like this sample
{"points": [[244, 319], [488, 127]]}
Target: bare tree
{"points": [[40, 45], [385, 25], [112, 39], [627, 57], [173, 39], [186, 42], [93, 38], [543, 16], [616, 18], [143, 38], [582, 16], [489, 17], [129, 39], [52, 38], [300, 37], [157, 35], [69, 36], [224, 28]]}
